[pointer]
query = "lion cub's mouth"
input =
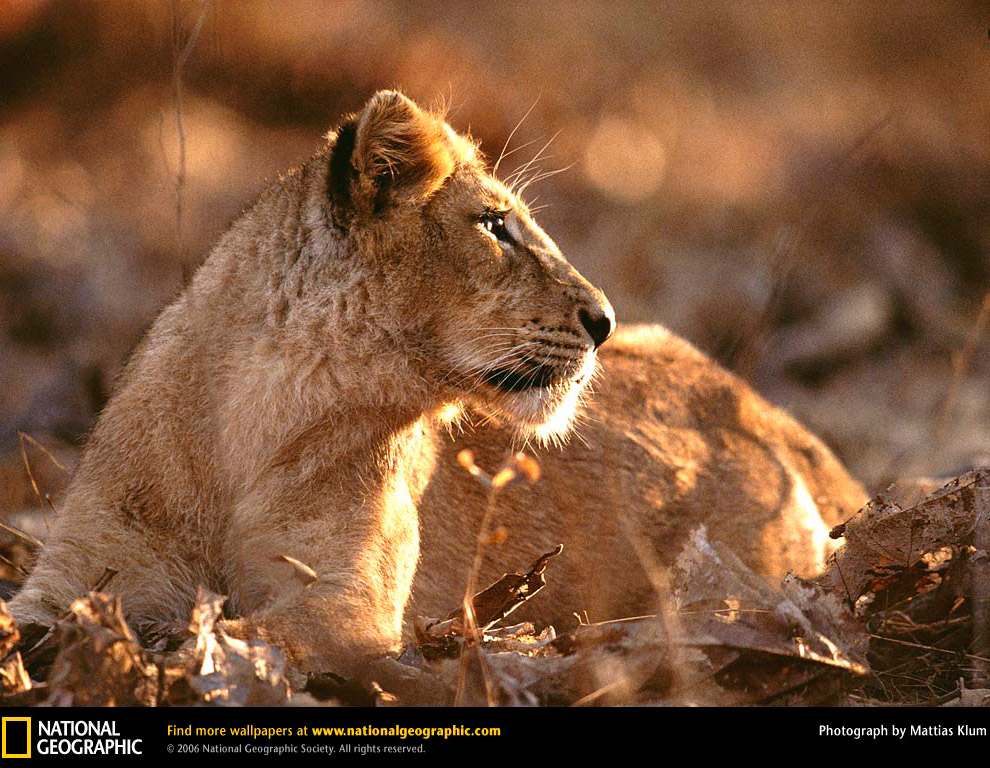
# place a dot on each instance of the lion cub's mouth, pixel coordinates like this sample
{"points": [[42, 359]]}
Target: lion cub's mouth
{"points": [[533, 376], [538, 398]]}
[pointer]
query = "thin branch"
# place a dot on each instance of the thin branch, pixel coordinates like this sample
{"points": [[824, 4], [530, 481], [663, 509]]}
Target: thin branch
{"points": [[15, 566], [40, 447], [180, 55], [929, 648], [748, 346], [34, 483], [36, 543], [961, 361]]}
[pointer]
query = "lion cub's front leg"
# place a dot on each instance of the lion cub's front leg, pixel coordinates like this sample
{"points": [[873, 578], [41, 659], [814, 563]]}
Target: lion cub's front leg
{"points": [[364, 556]]}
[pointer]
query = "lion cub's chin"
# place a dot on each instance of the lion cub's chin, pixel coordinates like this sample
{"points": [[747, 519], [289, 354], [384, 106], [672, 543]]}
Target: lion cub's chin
{"points": [[543, 414]]}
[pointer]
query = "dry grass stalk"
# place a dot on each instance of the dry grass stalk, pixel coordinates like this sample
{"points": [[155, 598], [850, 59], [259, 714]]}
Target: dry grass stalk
{"points": [[22, 437], [519, 466]]}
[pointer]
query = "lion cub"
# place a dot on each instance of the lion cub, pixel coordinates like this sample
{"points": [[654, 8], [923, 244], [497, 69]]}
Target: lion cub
{"points": [[287, 404]]}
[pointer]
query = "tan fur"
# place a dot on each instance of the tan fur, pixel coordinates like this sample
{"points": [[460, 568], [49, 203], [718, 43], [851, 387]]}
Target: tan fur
{"points": [[287, 404]]}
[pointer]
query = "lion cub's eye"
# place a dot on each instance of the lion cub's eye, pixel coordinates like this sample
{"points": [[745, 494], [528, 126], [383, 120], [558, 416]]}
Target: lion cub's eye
{"points": [[494, 223]]}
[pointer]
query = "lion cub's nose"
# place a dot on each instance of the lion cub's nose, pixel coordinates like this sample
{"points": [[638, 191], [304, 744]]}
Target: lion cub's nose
{"points": [[599, 323]]}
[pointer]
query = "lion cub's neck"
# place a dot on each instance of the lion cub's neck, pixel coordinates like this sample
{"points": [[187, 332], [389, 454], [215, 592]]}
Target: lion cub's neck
{"points": [[315, 372]]}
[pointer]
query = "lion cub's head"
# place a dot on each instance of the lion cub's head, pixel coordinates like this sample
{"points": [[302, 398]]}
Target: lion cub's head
{"points": [[490, 310]]}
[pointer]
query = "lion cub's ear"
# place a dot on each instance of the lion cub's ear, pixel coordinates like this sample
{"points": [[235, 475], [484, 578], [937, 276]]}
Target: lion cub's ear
{"points": [[396, 151]]}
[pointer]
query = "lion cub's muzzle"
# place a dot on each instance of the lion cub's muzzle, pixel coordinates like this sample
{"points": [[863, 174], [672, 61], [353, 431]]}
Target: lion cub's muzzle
{"points": [[557, 355]]}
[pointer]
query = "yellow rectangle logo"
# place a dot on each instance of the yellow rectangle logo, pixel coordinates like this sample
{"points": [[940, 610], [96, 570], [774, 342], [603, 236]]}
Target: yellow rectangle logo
{"points": [[17, 741]]}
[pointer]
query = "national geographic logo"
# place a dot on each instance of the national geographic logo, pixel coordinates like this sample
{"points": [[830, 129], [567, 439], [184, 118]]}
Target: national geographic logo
{"points": [[65, 737], [17, 737]]}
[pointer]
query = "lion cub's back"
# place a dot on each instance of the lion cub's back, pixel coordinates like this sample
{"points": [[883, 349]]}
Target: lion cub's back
{"points": [[725, 454], [668, 441]]}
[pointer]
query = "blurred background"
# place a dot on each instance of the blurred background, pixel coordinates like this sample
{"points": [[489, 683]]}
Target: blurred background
{"points": [[801, 189]]}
